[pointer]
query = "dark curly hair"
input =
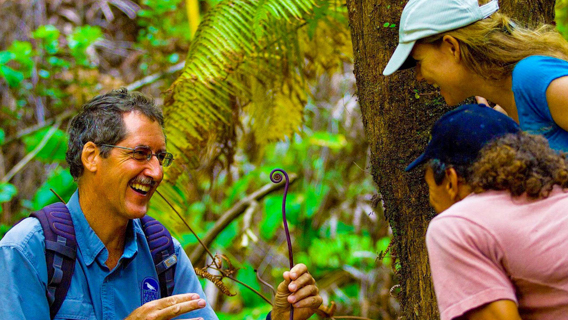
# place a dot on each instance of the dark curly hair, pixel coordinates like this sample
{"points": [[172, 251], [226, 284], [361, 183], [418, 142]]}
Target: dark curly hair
{"points": [[100, 121], [519, 163]]}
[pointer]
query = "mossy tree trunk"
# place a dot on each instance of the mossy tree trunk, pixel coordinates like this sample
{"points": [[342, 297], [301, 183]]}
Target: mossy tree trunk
{"points": [[398, 113]]}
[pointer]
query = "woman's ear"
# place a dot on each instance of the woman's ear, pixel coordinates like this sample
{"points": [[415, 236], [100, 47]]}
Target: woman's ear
{"points": [[452, 45], [90, 157]]}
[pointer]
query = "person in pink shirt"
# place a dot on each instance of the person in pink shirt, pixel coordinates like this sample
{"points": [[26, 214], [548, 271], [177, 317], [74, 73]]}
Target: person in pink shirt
{"points": [[498, 248]]}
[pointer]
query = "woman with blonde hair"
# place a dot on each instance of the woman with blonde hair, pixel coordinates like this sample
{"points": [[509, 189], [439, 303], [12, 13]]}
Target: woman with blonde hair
{"points": [[468, 49]]}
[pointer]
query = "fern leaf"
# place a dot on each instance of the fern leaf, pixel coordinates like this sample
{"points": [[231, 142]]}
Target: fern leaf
{"points": [[239, 44]]}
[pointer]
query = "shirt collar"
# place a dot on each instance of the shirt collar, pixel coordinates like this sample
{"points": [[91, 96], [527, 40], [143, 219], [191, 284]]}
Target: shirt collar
{"points": [[89, 244], [131, 243]]}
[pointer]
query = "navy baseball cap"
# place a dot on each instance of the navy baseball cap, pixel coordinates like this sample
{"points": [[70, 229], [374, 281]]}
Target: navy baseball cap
{"points": [[459, 135]]}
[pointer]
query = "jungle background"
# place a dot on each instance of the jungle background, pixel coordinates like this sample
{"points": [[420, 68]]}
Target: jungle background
{"points": [[247, 87]]}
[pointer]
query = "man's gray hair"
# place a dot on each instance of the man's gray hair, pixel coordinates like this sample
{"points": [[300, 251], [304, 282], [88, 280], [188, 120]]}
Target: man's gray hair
{"points": [[101, 122]]}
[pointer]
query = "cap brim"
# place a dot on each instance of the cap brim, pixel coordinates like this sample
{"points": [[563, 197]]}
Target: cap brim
{"points": [[416, 162], [399, 57]]}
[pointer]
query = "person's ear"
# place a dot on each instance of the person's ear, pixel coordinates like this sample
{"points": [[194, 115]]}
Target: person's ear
{"points": [[452, 185], [90, 157], [452, 45]]}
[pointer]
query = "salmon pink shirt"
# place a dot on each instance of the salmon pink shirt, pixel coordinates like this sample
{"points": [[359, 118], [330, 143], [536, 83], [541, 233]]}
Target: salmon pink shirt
{"points": [[491, 246]]}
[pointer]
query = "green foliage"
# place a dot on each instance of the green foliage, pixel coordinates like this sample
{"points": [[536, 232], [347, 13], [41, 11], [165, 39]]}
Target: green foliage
{"points": [[314, 197], [562, 17], [161, 34], [326, 139], [49, 57], [327, 12], [48, 36], [79, 42], [228, 235], [20, 54], [3, 229], [327, 254], [346, 294], [37, 76], [238, 51], [188, 239], [255, 313], [248, 276], [7, 192], [61, 181], [53, 151], [156, 9], [213, 3], [273, 209]]}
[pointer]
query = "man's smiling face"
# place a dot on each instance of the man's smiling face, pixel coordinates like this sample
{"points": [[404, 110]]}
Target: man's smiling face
{"points": [[125, 185]]}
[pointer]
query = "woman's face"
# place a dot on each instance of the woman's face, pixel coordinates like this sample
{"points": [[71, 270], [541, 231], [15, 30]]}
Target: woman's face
{"points": [[441, 65]]}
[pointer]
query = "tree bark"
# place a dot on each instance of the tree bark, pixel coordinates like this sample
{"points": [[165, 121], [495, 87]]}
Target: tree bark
{"points": [[398, 113]]}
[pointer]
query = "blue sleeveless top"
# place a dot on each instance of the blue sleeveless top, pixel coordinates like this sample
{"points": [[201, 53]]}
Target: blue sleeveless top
{"points": [[531, 78]]}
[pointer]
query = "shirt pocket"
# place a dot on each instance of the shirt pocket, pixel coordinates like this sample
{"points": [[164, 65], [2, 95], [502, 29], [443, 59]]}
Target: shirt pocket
{"points": [[75, 310]]}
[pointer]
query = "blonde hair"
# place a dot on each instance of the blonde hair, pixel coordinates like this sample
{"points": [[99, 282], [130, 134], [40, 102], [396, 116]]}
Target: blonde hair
{"points": [[492, 47]]}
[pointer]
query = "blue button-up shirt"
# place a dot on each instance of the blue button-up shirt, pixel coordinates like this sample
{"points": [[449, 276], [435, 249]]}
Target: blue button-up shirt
{"points": [[95, 292]]}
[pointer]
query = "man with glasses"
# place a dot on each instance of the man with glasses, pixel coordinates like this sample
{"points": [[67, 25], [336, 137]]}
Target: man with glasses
{"points": [[116, 153]]}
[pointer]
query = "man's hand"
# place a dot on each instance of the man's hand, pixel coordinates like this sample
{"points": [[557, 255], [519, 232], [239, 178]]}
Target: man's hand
{"points": [[299, 289], [168, 308]]}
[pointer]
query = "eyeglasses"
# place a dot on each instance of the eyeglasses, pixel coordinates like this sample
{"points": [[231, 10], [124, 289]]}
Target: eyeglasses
{"points": [[142, 153]]}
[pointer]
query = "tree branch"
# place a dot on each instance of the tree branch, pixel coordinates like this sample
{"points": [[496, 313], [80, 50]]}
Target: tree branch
{"points": [[234, 213], [250, 288], [20, 165], [190, 229], [39, 126], [153, 77]]}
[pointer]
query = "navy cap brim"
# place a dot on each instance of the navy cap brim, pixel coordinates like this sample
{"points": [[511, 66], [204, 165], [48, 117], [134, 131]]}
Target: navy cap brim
{"points": [[416, 162]]}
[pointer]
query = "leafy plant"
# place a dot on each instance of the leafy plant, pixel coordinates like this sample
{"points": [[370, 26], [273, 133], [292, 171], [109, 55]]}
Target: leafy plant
{"points": [[61, 181], [53, 151], [80, 40], [48, 36], [7, 192], [562, 17], [162, 34], [49, 58], [245, 51], [20, 53]]}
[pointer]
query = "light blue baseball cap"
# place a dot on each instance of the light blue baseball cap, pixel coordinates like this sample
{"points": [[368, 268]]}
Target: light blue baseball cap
{"points": [[424, 18]]}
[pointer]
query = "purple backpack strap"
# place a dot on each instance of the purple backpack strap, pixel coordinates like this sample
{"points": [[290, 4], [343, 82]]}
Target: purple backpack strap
{"points": [[60, 251], [163, 252]]}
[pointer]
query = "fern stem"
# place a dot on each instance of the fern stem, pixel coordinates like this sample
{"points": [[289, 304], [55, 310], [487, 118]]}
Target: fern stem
{"points": [[250, 288], [190, 229], [276, 177]]}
